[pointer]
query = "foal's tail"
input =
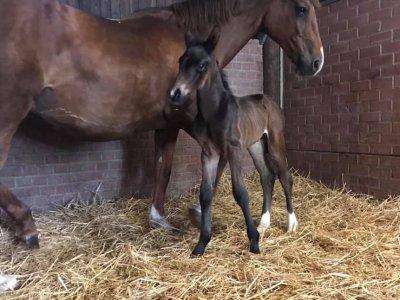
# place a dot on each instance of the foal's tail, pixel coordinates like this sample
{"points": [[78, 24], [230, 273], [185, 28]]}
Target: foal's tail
{"points": [[274, 138]]}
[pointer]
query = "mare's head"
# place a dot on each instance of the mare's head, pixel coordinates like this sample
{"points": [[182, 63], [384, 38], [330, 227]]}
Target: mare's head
{"points": [[195, 66], [293, 25]]}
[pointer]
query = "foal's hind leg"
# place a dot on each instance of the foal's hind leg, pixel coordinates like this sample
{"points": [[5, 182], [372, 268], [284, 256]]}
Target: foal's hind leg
{"points": [[19, 212], [267, 179], [276, 159]]}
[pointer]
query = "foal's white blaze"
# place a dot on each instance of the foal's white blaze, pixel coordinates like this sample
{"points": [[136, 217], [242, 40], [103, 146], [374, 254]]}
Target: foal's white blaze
{"points": [[160, 160], [158, 220], [292, 223], [322, 61], [265, 222]]}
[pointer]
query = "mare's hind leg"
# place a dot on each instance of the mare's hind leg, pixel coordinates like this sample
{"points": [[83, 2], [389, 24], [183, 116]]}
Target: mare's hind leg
{"points": [[242, 197], [276, 159], [19, 212], [195, 210], [267, 179], [165, 141]]}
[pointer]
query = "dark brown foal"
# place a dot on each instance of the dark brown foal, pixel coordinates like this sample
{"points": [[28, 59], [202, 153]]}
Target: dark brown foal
{"points": [[224, 126]]}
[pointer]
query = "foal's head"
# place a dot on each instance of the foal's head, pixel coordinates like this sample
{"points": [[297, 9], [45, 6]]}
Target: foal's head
{"points": [[195, 66]]}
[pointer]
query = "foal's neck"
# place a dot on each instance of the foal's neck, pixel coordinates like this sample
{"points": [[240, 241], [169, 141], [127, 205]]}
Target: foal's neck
{"points": [[212, 95]]}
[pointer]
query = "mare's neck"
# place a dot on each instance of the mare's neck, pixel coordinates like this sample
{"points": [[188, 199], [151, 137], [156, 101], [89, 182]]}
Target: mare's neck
{"points": [[212, 95], [237, 31]]}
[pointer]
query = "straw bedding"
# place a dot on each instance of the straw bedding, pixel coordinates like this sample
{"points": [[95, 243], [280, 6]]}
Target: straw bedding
{"points": [[347, 247]]}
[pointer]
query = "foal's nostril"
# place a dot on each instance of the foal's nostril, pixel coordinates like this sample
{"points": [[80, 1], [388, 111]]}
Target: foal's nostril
{"points": [[175, 95], [316, 65]]}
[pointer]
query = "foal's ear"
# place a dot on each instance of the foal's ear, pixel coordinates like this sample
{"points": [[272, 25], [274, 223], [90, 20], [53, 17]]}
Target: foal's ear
{"points": [[189, 39], [213, 39]]}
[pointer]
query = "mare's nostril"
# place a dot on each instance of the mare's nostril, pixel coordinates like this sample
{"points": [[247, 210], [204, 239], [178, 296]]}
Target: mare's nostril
{"points": [[316, 65]]}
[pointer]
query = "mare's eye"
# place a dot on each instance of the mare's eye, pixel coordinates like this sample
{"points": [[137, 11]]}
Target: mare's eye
{"points": [[301, 10]]}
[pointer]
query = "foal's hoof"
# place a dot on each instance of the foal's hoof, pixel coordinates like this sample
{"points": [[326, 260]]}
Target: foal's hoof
{"points": [[255, 249], [262, 228], [197, 253], [194, 213], [31, 241]]}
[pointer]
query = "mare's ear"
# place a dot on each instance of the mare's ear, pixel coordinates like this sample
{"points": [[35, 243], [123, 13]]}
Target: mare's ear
{"points": [[213, 39], [189, 39]]}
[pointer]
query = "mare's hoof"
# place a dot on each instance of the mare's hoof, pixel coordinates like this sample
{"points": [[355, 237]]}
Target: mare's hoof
{"points": [[31, 241], [161, 223], [195, 216]]}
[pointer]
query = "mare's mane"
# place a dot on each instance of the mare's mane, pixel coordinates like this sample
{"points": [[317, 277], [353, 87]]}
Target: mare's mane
{"points": [[193, 14]]}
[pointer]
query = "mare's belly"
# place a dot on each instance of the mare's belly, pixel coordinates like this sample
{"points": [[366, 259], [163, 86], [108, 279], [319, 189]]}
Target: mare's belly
{"points": [[91, 119]]}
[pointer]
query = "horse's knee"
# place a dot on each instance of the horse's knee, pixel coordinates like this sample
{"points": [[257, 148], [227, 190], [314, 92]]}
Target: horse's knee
{"points": [[241, 196]]}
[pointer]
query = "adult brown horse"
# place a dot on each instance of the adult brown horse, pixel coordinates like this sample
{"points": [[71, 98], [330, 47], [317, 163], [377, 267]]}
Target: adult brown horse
{"points": [[101, 80]]}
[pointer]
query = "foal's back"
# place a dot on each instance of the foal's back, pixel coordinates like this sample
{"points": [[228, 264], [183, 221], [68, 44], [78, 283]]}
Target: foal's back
{"points": [[258, 114]]}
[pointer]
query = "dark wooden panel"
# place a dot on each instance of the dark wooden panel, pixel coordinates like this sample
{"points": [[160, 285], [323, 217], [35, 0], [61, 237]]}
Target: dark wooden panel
{"points": [[106, 8]]}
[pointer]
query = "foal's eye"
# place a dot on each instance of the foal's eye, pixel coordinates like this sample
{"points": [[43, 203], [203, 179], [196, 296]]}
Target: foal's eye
{"points": [[301, 10], [202, 67]]}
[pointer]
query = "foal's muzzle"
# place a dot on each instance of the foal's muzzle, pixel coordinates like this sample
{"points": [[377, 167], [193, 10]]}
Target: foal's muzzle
{"points": [[178, 97]]}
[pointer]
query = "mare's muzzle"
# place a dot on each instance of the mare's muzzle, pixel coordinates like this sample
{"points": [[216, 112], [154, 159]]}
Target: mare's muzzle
{"points": [[311, 65]]}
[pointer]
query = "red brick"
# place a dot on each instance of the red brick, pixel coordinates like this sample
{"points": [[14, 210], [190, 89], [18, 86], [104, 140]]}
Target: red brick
{"points": [[378, 15]]}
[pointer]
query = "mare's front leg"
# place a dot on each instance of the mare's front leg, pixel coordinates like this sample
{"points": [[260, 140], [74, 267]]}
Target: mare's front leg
{"points": [[242, 197], [10, 117], [209, 164], [165, 141]]}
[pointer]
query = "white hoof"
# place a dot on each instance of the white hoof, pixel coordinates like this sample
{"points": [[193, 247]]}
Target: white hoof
{"points": [[292, 223], [265, 222], [159, 221]]}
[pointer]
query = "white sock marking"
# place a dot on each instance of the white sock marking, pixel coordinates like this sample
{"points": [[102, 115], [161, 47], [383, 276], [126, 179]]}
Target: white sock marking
{"points": [[292, 223], [265, 222], [8, 283], [154, 214], [158, 220]]}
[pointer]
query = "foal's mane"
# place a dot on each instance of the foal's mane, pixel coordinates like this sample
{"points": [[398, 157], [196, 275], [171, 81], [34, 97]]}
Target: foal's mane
{"points": [[225, 83], [193, 14]]}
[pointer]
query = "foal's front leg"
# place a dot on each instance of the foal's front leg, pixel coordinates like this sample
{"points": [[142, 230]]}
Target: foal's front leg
{"points": [[195, 210], [242, 197], [209, 165]]}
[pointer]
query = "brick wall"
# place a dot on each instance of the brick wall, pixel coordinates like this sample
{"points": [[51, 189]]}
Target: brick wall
{"points": [[343, 126], [45, 168]]}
